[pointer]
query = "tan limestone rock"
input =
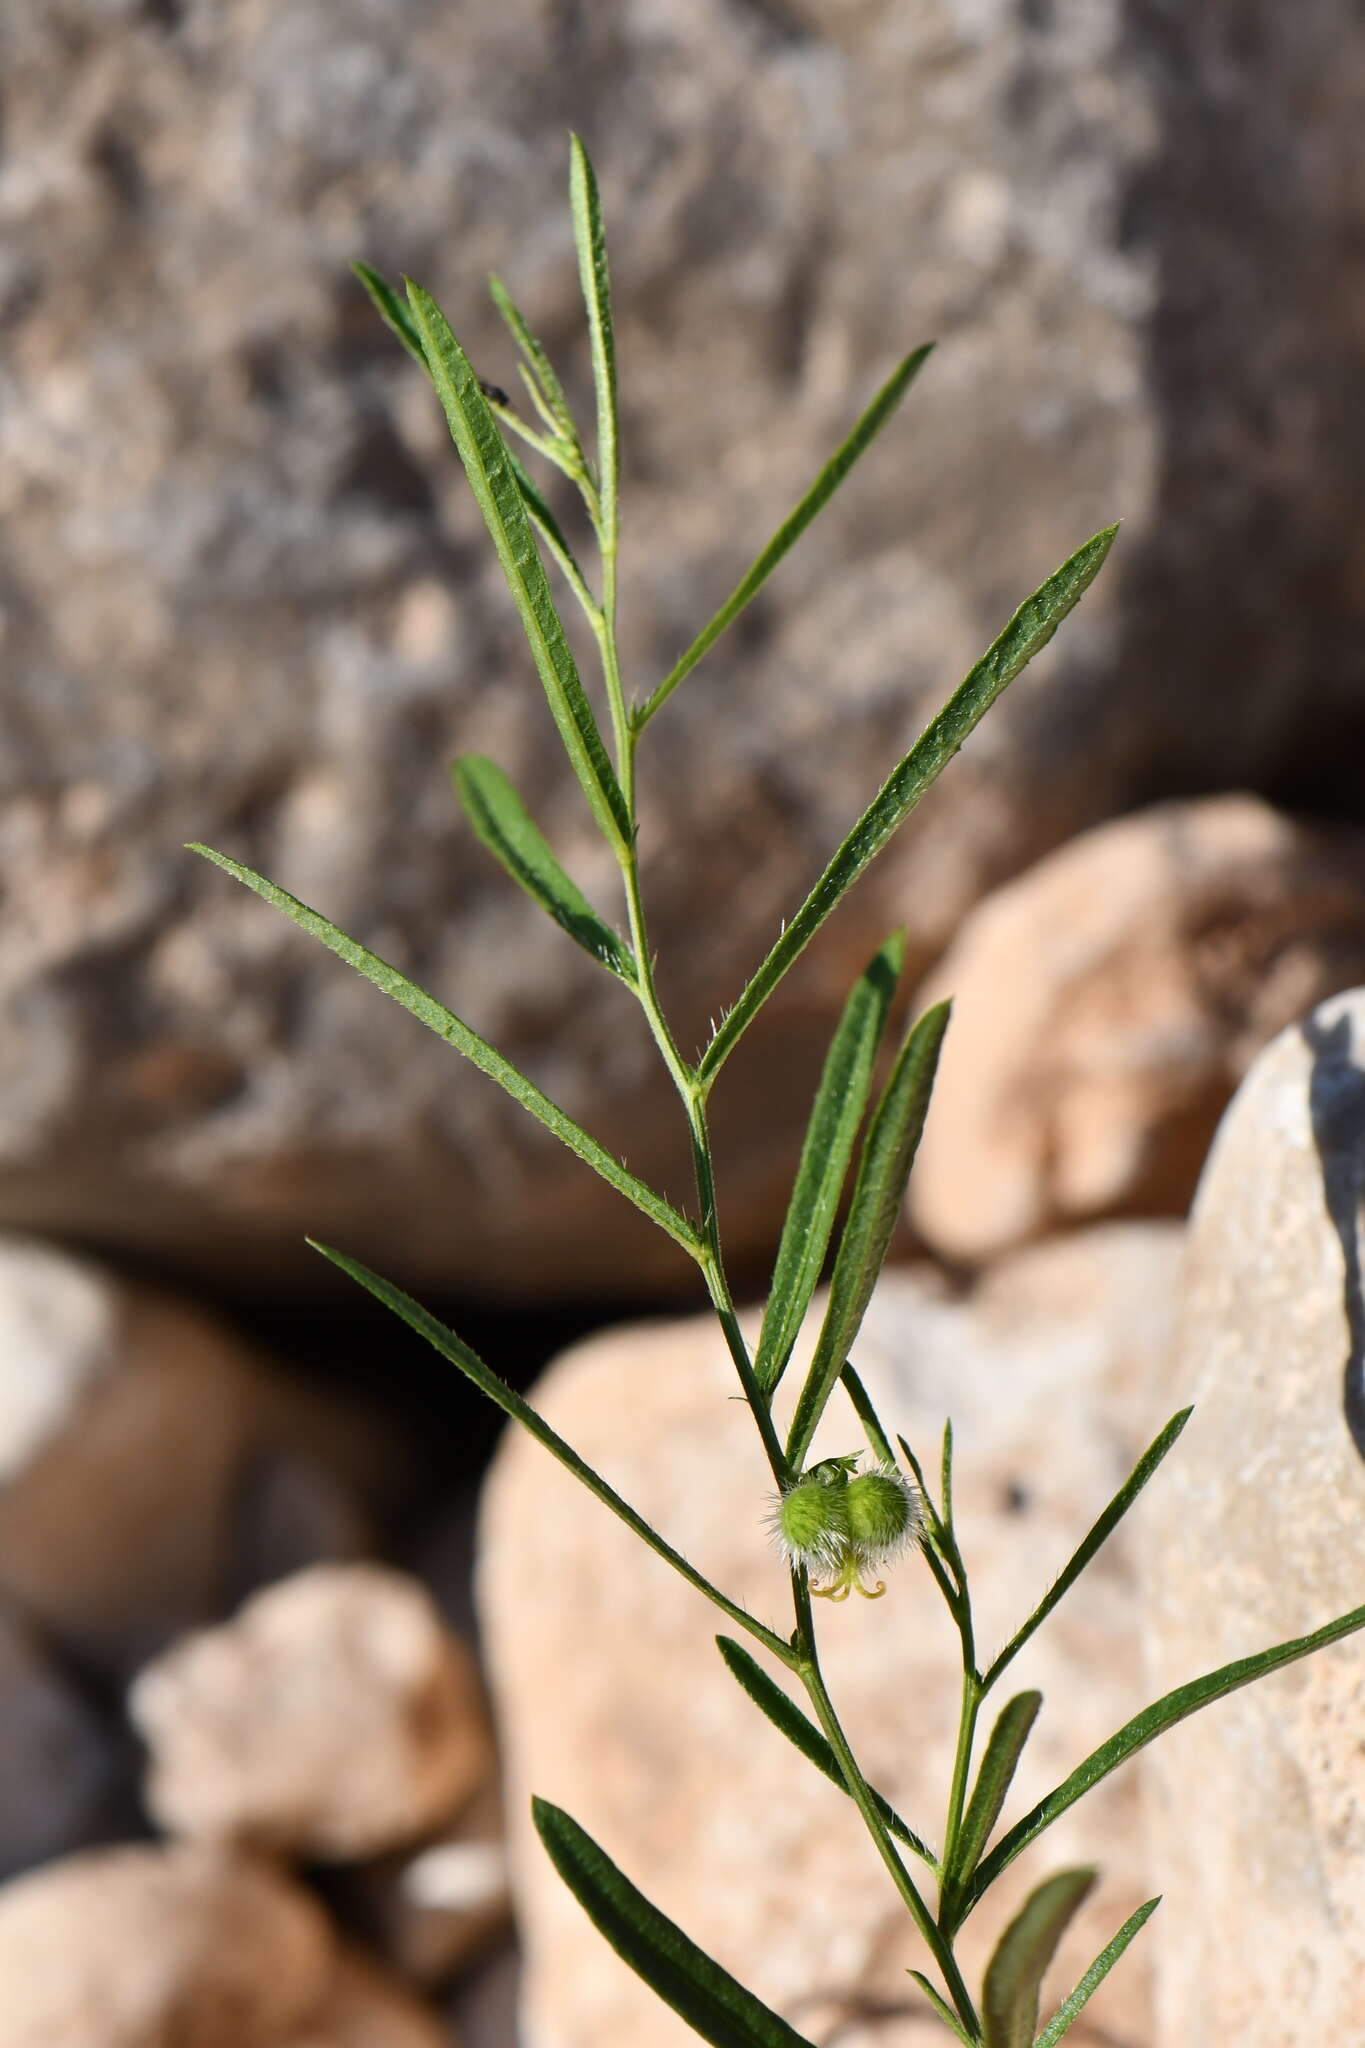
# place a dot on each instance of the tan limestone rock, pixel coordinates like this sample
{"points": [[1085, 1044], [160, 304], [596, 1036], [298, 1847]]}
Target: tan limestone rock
{"points": [[614, 1703], [1107, 1003], [334, 1717], [1257, 1808]]}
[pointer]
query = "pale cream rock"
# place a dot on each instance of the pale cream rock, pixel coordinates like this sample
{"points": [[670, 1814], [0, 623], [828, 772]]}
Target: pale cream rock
{"points": [[1107, 1003], [365, 2007], [147, 1947], [334, 1717], [1257, 1807], [614, 1703]]}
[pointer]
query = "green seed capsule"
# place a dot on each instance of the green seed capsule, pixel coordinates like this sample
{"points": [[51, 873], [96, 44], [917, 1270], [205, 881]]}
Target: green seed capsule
{"points": [[882, 1513], [811, 1522]]}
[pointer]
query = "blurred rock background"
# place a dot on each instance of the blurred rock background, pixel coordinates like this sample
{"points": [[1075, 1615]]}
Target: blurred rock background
{"points": [[244, 598]]}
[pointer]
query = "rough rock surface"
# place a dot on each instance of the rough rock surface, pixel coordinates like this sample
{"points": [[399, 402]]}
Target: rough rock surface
{"points": [[613, 1702], [244, 597], [1258, 1537], [334, 1717], [130, 1427], [1106, 1005], [159, 1948]]}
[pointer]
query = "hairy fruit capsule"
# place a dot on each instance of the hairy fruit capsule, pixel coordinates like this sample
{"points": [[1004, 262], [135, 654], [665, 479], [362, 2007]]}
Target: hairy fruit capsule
{"points": [[883, 1513], [811, 1522]]}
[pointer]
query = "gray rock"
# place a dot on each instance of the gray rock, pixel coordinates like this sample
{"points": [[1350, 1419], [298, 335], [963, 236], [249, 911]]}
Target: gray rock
{"points": [[1256, 1818], [334, 1717], [613, 1703], [1106, 1005], [245, 599]]}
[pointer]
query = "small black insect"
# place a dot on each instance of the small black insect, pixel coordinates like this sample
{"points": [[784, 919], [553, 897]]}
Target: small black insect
{"points": [[494, 393]]}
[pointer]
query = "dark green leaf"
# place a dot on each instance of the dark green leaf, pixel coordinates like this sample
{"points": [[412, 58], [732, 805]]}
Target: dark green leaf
{"points": [[485, 458], [391, 310], [1032, 626], [876, 1436], [1070, 2008], [454, 1031], [993, 1780], [887, 1155], [817, 497], [543, 519], [1014, 1975], [839, 1105], [591, 241], [1099, 1534], [498, 816], [511, 1403], [941, 2007], [1164, 1713], [803, 1734], [712, 2002]]}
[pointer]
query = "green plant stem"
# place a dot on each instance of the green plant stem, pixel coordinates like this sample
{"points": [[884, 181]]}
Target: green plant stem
{"points": [[807, 1668], [972, 1695]]}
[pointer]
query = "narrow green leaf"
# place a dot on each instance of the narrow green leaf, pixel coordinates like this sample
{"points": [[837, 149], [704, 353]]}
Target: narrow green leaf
{"points": [[391, 310], [1032, 626], [840, 1102], [500, 819], [543, 519], [993, 1781], [942, 2008], [512, 1405], [427, 1010], [537, 361], [1014, 1975], [1070, 2008], [877, 1437], [591, 241], [1098, 1534], [803, 1734], [887, 1155], [1164, 1713], [945, 1474], [712, 2002], [485, 458], [869, 425]]}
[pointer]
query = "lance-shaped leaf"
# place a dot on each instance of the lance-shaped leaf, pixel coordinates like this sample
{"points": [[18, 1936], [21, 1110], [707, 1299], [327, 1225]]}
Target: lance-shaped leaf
{"points": [[712, 2002], [993, 1781], [1164, 1713], [840, 1102], [512, 1405], [883, 1169], [391, 310], [942, 2008], [865, 432], [484, 455], [1014, 1975], [1070, 2007], [552, 533], [803, 1734], [1032, 626], [1091, 1542], [427, 1010], [537, 361], [501, 821], [591, 241]]}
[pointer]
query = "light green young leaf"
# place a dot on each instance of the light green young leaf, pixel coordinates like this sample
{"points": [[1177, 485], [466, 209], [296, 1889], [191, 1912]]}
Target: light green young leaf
{"points": [[591, 241], [512, 1405], [427, 1010], [712, 2002], [501, 821], [485, 458], [1098, 1534], [803, 1734], [1071, 2007], [537, 361], [1164, 1713], [993, 1781], [391, 310], [887, 1155], [865, 432], [1032, 626], [1014, 1975], [942, 2008], [838, 1111]]}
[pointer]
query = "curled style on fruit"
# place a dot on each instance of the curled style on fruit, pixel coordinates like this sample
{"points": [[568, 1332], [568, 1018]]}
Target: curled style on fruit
{"points": [[838, 1521]]}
